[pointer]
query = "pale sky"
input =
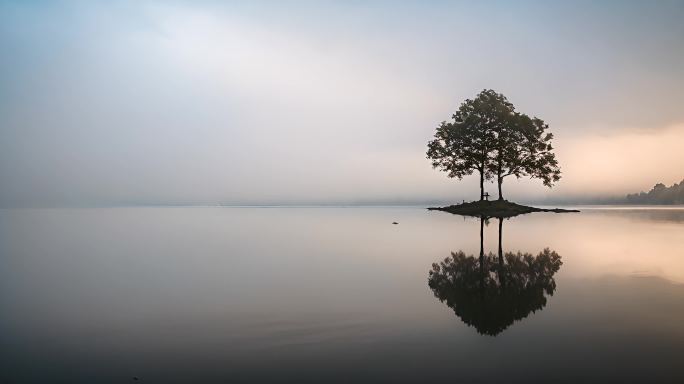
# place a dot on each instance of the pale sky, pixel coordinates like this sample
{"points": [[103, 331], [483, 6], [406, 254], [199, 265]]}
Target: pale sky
{"points": [[320, 102]]}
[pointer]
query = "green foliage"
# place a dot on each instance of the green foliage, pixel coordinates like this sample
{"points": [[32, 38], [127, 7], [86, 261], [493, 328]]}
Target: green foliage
{"points": [[463, 145], [523, 148], [488, 136]]}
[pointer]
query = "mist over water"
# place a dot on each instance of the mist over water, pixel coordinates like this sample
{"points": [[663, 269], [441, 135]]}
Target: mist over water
{"points": [[328, 294]]}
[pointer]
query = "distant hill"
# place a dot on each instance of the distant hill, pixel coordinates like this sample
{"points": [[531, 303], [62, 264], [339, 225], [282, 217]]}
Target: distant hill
{"points": [[659, 194]]}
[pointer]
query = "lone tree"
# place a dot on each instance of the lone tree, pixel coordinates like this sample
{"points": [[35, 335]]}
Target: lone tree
{"points": [[462, 146], [487, 135]]}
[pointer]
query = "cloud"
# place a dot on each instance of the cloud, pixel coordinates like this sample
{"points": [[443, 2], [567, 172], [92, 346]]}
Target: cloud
{"points": [[248, 102], [622, 162]]}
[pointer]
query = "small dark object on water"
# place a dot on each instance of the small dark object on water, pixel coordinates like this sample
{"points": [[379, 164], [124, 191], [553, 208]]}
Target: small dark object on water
{"points": [[136, 378], [395, 223]]}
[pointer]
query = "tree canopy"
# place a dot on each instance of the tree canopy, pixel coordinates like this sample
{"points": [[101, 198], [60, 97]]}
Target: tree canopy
{"points": [[487, 136]]}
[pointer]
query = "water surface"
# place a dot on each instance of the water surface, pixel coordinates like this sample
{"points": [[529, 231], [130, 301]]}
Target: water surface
{"points": [[215, 295]]}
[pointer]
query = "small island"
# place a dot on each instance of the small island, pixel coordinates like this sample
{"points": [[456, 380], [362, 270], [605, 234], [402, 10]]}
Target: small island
{"points": [[494, 209], [489, 137]]}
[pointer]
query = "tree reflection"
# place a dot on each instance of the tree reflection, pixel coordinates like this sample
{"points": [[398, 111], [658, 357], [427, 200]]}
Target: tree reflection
{"points": [[491, 292]]}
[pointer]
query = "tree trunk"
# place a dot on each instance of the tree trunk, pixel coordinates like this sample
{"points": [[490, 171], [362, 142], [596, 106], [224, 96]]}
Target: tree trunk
{"points": [[500, 181], [481, 185]]}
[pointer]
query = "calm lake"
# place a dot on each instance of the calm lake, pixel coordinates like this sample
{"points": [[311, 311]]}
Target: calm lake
{"points": [[225, 295]]}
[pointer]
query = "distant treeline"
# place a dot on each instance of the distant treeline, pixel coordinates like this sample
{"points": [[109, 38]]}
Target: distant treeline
{"points": [[659, 194]]}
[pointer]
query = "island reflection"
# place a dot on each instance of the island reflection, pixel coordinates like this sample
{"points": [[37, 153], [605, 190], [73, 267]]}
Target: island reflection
{"points": [[491, 292]]}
